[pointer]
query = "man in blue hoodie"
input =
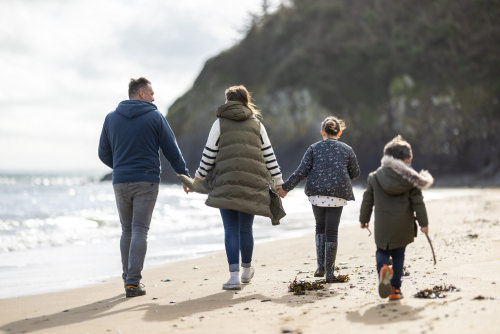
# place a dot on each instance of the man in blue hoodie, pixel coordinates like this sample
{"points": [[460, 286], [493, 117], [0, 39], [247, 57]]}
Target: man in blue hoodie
{"points": [[130, 141]]}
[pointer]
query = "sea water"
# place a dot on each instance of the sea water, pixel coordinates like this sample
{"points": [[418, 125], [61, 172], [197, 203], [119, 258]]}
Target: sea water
{"points": [[60, 232]]}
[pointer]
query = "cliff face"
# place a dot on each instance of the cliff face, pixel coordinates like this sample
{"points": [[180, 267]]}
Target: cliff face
{"points": [[428, 70]]}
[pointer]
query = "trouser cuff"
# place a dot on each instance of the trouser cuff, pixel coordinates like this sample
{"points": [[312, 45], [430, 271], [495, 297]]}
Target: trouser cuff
{"points": [[234, 267]]}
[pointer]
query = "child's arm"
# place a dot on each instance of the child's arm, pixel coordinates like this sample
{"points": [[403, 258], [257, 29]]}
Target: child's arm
{"points": [[418, 206], [353, 167], [301, 172], [366, 205]]}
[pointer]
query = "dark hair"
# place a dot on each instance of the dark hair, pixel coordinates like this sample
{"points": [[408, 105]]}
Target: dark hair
{"points": [[135, 85], [241, 94], [332, 125], [398, 148]]}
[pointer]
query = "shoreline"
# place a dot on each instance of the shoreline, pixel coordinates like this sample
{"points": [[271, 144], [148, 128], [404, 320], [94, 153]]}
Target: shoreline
{"points": [[186, 296], [79, 267]]}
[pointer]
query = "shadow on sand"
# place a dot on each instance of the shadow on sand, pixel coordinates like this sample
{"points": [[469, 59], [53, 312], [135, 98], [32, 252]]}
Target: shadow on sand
{"points": [[153, 312], [75, 315], [385, 313]]}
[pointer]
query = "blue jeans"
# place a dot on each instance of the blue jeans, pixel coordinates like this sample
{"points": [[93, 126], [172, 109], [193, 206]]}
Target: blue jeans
{"points": [[327, 221], [238, 237], [135, 202], [398, 260]]}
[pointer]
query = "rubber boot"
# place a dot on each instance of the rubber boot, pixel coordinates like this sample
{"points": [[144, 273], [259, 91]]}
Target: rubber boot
{"points": [[330, 255], [320, 255]]}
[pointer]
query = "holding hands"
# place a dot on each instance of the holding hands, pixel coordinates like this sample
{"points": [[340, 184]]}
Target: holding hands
{"points": [[281, 192], [187, 190]]}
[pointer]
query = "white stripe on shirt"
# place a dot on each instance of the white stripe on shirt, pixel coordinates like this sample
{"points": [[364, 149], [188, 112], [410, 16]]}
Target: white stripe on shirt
{"points": [[212, 148]]}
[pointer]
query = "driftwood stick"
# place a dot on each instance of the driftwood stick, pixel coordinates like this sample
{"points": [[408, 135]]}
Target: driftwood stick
{"points": [[432, 248]]}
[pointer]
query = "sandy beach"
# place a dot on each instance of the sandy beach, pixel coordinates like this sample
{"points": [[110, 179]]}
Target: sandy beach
{"points": [[186, 296]]}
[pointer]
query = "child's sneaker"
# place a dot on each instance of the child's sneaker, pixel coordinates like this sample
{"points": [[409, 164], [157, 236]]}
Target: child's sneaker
{"points": [[384, 284], [395, 294], [247, 274]]}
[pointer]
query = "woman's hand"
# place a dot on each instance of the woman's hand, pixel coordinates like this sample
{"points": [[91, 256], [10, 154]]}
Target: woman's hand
{"points": [[280, 191]]}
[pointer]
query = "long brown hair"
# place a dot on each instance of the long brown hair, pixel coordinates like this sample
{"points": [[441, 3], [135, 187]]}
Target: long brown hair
{"points": [[241, 94]]}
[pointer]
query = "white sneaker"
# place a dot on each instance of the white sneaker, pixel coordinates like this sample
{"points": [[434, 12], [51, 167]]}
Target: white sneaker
{"points": [[233, 283], [247, 274]]}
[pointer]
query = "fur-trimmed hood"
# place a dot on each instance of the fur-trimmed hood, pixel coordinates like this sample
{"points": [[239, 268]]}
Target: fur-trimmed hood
{"points": [[394, 194], [422, 180]]}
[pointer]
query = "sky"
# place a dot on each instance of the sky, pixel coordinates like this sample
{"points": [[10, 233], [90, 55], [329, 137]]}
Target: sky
{"points": [[65, 64]]}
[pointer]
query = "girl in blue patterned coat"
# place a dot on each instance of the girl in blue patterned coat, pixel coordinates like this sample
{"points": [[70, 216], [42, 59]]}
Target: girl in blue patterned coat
{"points": [[329, 166]]}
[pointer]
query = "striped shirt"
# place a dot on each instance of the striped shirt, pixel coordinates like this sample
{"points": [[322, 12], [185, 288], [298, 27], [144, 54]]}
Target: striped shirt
{"points": [[212, 148]]}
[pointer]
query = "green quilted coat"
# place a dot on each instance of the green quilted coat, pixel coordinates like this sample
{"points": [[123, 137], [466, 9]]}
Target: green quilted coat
{"points": [[394, 190]]}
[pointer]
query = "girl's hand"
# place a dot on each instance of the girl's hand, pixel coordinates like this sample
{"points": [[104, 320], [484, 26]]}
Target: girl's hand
{"points": [[280, 191]]}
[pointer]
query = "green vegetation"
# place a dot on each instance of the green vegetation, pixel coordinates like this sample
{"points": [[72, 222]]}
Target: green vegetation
{"points": [[429, 70]]}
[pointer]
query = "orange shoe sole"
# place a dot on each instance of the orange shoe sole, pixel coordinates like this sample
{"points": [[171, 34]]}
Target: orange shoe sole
{"points": [[384, 286]]}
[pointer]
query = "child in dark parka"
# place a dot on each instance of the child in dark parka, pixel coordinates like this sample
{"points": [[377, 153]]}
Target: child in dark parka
{"points": [[395, 190]]}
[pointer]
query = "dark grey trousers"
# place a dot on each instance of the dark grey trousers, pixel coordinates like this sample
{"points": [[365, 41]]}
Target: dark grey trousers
{"points": [[327, 221], [135, 202]]}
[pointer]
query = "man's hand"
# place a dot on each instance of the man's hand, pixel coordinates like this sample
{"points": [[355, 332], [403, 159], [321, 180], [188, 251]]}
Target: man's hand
{"points": [[186, 189], [425, 230]]}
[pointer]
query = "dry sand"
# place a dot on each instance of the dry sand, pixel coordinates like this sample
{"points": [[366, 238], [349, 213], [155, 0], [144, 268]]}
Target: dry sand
{"points": [[465, 231]]}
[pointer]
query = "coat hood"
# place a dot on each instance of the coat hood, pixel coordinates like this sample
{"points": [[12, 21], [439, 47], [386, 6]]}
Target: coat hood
{"points": [[234, 110], [392, 170], [134, 108]]}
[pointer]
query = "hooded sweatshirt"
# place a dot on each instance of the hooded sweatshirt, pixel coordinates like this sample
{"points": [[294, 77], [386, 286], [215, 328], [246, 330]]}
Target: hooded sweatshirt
{"points": [[130, 141], [395, 190]]}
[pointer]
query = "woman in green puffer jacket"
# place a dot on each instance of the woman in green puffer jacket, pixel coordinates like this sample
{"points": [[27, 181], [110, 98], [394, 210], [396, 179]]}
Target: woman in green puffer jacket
{"points": [[239, 171]]}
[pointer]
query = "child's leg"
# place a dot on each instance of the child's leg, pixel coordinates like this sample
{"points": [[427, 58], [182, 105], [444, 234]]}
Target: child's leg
{"points": [[384, 273], [398, 259], [332, 221], [382, 257], [319, 216]]}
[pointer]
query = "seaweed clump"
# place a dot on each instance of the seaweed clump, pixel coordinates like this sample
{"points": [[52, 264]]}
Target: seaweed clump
{"points": [[435, 292], [340, 279], [300, 287]]}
